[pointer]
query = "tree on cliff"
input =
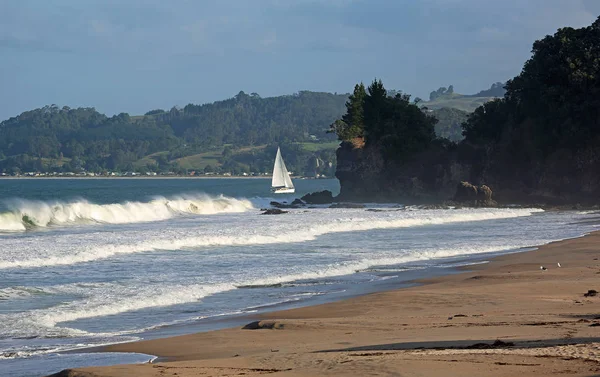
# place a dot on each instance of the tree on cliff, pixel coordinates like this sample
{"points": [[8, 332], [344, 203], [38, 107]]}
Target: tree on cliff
{"points": [[554, 102], [392, 123], [352, 124]]}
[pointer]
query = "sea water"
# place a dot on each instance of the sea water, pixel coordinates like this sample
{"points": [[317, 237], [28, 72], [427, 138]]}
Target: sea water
{"points": [[88, 262]]}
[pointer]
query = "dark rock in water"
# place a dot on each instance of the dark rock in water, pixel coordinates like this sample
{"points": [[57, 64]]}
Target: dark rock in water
{"points": [[347, 205], [284, 205], [476, 196], [484, 194], [497, 344], [72, 373], [260, 325], [277, 204], [591, 293], [274, 211], [433, 206], [320, 197], [297, 202]]}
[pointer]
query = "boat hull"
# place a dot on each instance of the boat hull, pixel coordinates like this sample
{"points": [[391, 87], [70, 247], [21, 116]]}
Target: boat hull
{"points": [[283, 190]]}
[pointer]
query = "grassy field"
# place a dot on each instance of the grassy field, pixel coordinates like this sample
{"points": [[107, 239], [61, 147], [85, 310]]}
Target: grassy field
{"points": [[457, 101], [313, 147], [149, 159], [201, 160]]}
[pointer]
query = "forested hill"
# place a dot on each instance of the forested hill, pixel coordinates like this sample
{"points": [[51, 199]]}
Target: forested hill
{"points": [[54, 138], [538, 144]]}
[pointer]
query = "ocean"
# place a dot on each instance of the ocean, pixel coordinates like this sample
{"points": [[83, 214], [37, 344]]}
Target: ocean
{"points": [[89, 262]]}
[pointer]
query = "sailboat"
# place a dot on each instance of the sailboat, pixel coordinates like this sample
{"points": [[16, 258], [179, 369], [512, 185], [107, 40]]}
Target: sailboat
{"points": [[281, 183]]}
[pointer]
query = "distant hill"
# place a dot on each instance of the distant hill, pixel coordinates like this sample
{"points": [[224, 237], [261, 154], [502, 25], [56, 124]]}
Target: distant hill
{"points": [[65, 139], [446, 97], [236, 135]]}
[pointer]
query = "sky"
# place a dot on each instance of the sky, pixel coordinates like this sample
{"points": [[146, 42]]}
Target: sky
{"points": [[137, 55]]}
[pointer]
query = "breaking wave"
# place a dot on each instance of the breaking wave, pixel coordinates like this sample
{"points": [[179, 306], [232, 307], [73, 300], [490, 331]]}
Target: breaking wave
{"points": [[27, 214], [45, 322], [299, 234]]}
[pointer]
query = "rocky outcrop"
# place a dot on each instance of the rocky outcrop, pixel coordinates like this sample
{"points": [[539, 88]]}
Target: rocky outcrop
{"points": [[347, 205], [433, 175], [72, 373], [274, 211], [297, 203], [263, 325], [471, 195], [319, 197], [428, 177]]}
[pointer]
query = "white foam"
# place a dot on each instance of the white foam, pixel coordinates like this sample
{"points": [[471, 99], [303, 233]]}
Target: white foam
{"points": [[8, 293], [351, 267], [166, 295], [24, 214], [271, 233], [138, 298], [104, 299]]}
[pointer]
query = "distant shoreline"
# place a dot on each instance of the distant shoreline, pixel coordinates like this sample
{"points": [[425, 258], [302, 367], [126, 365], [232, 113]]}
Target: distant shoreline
{"points": [[155, 177]]}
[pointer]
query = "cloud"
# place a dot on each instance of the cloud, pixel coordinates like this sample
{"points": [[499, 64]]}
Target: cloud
{"points": [[269, 46]]}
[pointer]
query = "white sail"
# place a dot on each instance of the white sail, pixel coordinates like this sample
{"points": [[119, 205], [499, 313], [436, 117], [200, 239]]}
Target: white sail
{"points": [[281, 177]]}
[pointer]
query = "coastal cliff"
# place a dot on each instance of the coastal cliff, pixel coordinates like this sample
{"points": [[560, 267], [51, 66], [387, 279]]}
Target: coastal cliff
{"points": [[431, 176], [540, 144]]}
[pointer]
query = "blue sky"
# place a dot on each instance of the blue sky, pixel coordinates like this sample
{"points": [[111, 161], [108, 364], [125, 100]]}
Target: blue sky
{"points": [[136, 55]]}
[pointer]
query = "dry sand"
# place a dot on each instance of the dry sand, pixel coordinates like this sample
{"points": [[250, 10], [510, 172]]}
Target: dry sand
{"points": [[419, 331]]}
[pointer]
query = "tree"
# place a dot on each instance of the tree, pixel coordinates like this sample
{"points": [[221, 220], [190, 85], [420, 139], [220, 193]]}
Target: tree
{"points": [[393, 124], [374, 110], [450, 122], [438, 93], [352, 123], [556, 97]]}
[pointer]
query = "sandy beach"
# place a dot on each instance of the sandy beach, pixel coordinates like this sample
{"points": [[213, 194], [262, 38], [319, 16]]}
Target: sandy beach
{"points": [[503, 318]]}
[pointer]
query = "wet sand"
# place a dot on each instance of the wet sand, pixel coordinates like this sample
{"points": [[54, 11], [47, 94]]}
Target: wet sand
{"points": [[504, 318]]}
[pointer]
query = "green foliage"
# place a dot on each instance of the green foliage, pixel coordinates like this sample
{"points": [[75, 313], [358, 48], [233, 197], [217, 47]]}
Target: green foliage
{"points": [[450, 122], [352, 124], [496, 90], [315, 147], [441, 92], [95, 142], [252, 120], [298, 159], [487, 122], [154, 112], [556, 97], [400, 127]]}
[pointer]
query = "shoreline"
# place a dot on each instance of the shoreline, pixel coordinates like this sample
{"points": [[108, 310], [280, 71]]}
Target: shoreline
{"points": [[155, 177], [544, 313]]}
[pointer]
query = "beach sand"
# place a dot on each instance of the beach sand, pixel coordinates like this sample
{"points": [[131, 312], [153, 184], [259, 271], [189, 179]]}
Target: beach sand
{"points": [[446, 327]]}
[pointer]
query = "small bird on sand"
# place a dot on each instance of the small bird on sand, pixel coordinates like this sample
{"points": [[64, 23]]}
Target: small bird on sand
{"points": [[558, 264], [543, 268]]}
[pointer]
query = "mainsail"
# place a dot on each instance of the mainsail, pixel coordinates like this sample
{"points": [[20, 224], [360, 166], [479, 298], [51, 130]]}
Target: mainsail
{"points": [[281, 177]]}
